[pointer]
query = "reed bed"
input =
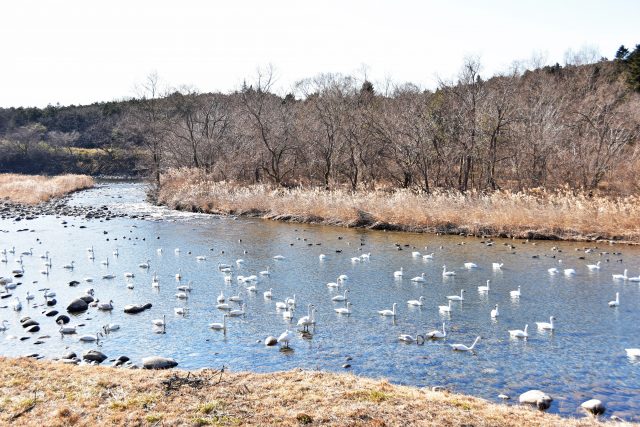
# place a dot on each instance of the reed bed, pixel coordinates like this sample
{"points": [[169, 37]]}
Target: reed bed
{"points": [[535, 213], [34, 189], [37, 393]]}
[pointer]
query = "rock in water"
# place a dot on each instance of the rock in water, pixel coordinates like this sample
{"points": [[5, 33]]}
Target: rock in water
{"points": [[77, 306], [136, 308], [94, 356], [270, 341], [537, 398], [158, 362], [594, 406]]}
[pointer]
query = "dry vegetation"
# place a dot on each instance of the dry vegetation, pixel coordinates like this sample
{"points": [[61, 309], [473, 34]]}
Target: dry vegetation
{"points": [[532, 214], [36, 393], [33, 189]]}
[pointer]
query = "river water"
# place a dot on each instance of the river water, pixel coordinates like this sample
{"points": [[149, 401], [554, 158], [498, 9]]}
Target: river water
{"points": [[583, 358]]}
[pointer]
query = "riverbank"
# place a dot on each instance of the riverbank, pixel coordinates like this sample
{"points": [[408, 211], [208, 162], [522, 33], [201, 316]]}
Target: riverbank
{"points": [[536, 214], [34, 189], [36, 393]]}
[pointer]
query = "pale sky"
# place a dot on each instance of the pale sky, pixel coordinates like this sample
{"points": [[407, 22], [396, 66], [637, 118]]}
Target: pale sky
{"points": [[83, 51]]}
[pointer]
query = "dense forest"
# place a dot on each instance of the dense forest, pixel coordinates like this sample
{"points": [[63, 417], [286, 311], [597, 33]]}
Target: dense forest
{"points": [[576, 125]]}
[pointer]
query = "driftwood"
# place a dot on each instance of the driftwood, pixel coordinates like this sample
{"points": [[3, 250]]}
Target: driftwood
{"points": [[193, 380]]}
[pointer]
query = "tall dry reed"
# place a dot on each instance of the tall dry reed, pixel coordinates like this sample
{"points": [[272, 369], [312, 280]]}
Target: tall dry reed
{"points": [[33, 189], [560, 214]]}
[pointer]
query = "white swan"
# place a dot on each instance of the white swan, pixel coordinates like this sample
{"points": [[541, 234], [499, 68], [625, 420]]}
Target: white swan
{"points": [[110, 327], [309, 319], [291, 301], [436, 334], [344, 310], [416, 254], [616, 302], [484, 288], [569, 272], [109, 276], [428, 256], [622, 276], [116, 253], [238, 312], [223, 306], [547, 326], [365, 257], [106, 306], [462, 347], [515, 294], [355, 259], [593, 267], [417, 302], [343, 278], [333, 284], [220, 298], [201, 258], [105, 262], [445, 308], [154, 281], [391, 312], [29, 297], [419, 339], [518, 333], [185, 288], [265, 272], [288, 313], [91, 338], [419, 278], [285, 337], [470, 265], [446, 273], [281, 305], [495, 313], [322, 257], [341, 297], [497, 265], [179, 274], [268, 294], [239, 261], [67, 330], [144, 264], [278, 257], [160, 322], [3, 326], [398, 273], [632, 352], [553, 270], [69, 266], [182, 295], [220, 326], [129, 275], [16, 305], [457, 297]]}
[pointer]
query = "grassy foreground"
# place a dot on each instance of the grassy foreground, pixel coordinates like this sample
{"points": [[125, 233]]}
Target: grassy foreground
{"points": [[33, 189], [533, 214], [37, 393]]}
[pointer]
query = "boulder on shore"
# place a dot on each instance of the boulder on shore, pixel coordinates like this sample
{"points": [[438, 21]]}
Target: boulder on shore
{"points": [[594, 406], [136, 308], [270, 341], [537, 398], [77, 306], [158, 362], [94, 356]]}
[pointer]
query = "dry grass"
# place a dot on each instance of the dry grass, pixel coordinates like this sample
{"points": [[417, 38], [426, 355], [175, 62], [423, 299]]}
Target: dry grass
{"points": [[33, 189], [532, 214], [37, 393]]}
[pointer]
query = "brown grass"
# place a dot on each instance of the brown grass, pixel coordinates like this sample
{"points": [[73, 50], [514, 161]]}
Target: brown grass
{"points": [[533, 214], [33, 189], [37, 393]]}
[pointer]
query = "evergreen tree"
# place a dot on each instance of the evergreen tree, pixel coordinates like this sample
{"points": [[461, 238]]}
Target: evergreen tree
{"points": [[621, 53], [633, 69]]}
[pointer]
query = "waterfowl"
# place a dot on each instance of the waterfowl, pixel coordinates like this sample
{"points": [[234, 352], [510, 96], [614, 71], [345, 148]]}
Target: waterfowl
{"points": [[182, 295], [268, 294], [419, 278], [220, 326], [309, 319], [235, 298], [462, 347], [470, 265], [547, 326], [129, 275], [69, 266], [278, 257], [180, 311], [446, 273], [391, 312], [343, 310], [484, 288], [616, 302], [622, 276], [436, 334], [185, 288], [105, 262], [428, 256], [398, 273], [457, 297], [220, 298], [322, 257], [631, 352], [569, 272], [288, 313], [67, 330], [201, 258], [494, 312], [419, 339], [159, 322], [417, 302], [416, 254], [265, 272], [285, 337], [497, 265], [3, 326], [343, 278], [110, 327], [223, 306], [593, 267], [341, 297], [91, 338], [518, 333], [445, 308], [515, 294], [144, 265], [106, 306], [238, 312], [291, 301], [553, 270], [109, 276], [16, 305]]}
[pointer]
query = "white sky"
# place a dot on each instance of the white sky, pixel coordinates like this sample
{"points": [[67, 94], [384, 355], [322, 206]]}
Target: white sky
{"points": [[82, 51]]}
